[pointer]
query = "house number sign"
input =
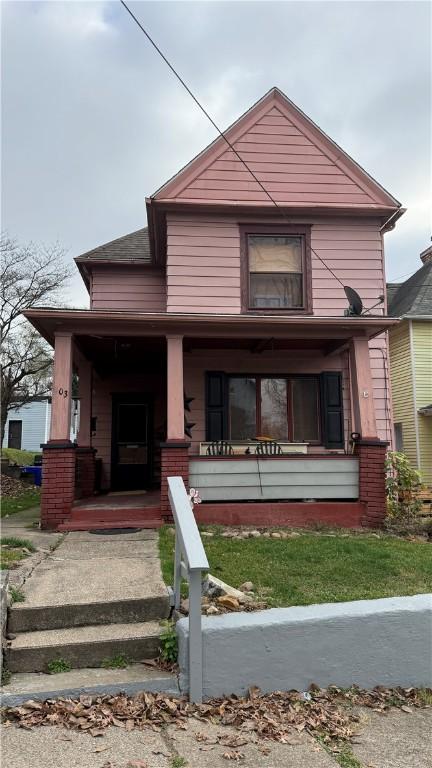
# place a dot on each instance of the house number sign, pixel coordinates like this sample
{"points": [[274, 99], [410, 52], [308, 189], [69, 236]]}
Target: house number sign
{"points": [[63, 392]]}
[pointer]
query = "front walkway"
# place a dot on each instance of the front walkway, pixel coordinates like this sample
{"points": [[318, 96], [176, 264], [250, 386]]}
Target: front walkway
{"points": [[393, 740], [91, 568], [95, 597]]}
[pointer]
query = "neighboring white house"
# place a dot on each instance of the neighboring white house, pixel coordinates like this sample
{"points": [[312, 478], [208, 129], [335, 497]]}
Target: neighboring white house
{"points": [[28, 427]]}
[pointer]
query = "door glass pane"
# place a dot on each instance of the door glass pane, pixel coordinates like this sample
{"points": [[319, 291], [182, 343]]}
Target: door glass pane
{"points": [[242, 408], [305, 410], [276, 291], [274, 254], [274, 419], [132, 423]]}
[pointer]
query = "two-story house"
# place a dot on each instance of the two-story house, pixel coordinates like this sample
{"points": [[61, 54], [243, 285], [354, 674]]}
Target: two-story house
{"points": [[410, 348], [218, 346]]}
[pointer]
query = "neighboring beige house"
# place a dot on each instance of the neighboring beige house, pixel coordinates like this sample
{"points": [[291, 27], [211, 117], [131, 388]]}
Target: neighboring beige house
{"points": [[411, 365]]}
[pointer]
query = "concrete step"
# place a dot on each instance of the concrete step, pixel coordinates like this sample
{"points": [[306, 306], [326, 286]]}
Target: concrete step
{"points": [[90, 524], [83, 646], [92, 681], [30, 618]]}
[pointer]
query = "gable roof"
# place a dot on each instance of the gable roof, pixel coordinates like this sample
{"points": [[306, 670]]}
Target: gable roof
{"points": [[413, 298], [132, 247], [291, 156]]}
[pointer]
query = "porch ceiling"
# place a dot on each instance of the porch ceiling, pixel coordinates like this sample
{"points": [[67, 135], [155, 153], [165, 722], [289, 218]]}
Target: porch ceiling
{"points": [[327, 330]]}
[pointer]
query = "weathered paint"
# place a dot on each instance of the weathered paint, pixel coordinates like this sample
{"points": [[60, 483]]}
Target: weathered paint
{"points": [[298, 514], [289, 648], [128, 287], [203, 270], [85, 395], [275, 137], [61, 388], [361, 385], [402, 387], [280, 478], [422, 343], [175, 402]]}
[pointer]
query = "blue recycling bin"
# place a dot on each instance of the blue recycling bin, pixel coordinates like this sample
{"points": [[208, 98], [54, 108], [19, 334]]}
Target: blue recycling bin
{"points": [[36, 472]]}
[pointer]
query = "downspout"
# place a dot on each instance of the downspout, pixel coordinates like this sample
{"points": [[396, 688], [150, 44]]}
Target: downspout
{"points": [[413, 379]]}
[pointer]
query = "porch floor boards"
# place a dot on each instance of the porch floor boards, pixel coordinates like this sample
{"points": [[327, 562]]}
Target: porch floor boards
{"points": [[116, 510]]}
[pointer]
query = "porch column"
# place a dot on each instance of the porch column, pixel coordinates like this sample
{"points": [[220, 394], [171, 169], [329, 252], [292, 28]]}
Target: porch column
{"points": [[362, 388], [175, 403], [85, 454], [175, 451], [58, 464], [85, 400], [62, 388], [370, 450]]}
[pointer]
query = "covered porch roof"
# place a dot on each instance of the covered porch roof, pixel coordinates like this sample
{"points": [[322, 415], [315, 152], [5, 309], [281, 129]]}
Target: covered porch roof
{"points": [[318, 332]]}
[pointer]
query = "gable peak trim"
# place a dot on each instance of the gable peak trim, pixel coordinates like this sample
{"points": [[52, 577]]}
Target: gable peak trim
{"points": [[275, 102]]}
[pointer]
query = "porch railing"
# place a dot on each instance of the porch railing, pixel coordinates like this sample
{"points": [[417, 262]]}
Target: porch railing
{"points": [[189, 561]]}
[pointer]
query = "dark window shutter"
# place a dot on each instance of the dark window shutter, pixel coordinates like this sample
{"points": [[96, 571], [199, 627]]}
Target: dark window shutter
{"points": [[216, 405], [332, 410]]}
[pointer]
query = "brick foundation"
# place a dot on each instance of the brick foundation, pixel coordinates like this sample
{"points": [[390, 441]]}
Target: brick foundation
{"points": [[85, 472], [58, 483], [344, 514], [174, 463], [371, 454]]}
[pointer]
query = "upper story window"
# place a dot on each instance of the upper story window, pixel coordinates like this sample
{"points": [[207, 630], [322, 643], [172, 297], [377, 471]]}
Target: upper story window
{"points": [[276, 272]]}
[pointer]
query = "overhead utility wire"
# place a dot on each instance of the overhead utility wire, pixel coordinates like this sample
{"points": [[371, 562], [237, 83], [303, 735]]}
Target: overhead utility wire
{"points": [[221, 133]]}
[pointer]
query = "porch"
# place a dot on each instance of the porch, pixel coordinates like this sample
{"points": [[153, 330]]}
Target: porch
{"points": [[134, 509], [156, 391]]}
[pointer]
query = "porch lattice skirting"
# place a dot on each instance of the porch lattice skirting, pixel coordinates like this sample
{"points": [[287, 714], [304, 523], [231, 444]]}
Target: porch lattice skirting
{"points": [[58, 484], [372, 480], [174, 463]]}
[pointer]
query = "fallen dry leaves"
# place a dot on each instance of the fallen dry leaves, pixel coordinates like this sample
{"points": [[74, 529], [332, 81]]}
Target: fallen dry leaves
{"points": [[280, 716]]}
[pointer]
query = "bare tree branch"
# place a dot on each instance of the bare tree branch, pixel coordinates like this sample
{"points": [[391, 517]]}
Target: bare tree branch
{"points": [[31, 275]]}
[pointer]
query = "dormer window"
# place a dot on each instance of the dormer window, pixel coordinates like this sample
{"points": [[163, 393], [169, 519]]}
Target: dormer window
{"points": [[276, 274]]}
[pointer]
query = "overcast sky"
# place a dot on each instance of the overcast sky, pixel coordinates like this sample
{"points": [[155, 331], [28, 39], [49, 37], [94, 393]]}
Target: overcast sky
{"points": [[93, 120]]}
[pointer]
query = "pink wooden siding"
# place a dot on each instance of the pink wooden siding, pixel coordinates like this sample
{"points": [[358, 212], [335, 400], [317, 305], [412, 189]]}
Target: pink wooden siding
{"points": [[234, 361], [128, 287], [294, 160], [203, 262]]}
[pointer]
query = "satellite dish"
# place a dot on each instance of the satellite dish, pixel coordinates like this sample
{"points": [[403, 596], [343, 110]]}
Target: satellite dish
{"points": [[354, 300]]}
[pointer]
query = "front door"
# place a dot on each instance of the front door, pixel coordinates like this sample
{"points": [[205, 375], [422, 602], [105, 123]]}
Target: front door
{"points": [[15, 434], [131, 443]]}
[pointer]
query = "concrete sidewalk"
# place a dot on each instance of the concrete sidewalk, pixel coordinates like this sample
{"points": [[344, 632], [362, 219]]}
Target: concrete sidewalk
{"points": [[392, 740]]}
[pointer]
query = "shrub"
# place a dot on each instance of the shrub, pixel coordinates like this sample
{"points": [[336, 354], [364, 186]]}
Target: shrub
{"points": [[402, 484]]}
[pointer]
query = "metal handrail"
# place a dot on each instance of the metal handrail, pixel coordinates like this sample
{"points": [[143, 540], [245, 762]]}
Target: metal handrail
{"points": [[189, 561]]}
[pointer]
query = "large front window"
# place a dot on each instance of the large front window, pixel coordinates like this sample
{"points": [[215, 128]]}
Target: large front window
{"points": [[280, 408], [275, 271]]}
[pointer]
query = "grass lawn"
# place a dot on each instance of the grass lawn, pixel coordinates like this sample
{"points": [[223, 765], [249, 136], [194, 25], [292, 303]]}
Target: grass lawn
{"points": [[315, 569], [13, 550], [9, 504], [19, 457]]}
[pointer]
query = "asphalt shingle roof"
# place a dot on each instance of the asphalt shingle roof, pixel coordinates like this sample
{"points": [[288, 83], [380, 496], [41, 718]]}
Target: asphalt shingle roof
{"points": [[135, 246], [413, 298]]}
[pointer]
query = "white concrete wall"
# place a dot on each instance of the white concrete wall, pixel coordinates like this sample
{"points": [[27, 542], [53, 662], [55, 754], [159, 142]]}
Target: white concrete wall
{"points": [[367, 642]]}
